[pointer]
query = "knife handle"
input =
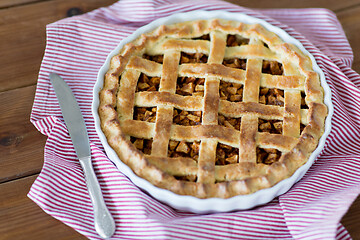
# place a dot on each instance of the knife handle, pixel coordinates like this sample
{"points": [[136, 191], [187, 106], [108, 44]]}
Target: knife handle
{"points": [[104, 222]]}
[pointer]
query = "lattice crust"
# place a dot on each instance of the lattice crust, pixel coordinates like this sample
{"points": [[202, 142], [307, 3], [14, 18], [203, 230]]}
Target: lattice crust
{"points": [[212, 108]]}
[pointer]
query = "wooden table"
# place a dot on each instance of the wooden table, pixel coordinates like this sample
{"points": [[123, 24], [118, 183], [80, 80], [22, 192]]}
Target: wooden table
{"points": [[22, 44]]}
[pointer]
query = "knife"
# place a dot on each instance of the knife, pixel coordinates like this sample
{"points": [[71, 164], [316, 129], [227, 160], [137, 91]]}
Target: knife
{"points": [[104, 222]]}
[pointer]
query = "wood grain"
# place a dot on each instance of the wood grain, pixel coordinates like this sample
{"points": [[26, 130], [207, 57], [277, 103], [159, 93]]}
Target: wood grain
{"points": [[12, 3], [21, 145], [22, 219], [23, 37], [351, 220]]}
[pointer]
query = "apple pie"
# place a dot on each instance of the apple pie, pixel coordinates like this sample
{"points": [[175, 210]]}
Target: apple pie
{"points": [[212, 108]]}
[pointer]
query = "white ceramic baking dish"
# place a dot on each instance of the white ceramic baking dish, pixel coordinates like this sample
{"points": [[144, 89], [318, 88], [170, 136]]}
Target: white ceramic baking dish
{"points": [[190, 203]]}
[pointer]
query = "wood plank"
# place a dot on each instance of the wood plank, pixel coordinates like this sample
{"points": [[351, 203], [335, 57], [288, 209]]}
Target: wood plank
{"points": [[21, 145], [11, 3], [334, 5], [23, 37], [350, 20], [22, 219], [351, 219]]}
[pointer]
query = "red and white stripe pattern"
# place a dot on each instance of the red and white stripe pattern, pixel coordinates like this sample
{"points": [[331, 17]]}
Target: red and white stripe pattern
{"points": [[312, 209]]}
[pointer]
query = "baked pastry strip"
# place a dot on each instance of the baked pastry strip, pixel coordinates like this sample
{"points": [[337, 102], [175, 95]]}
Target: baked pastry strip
{"points": [[164, 113], [126, 94], [291, 122], [207, 155], [249, 123]]}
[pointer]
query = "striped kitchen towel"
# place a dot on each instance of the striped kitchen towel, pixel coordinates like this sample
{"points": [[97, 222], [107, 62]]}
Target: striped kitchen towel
{"points": [[76, 49]]}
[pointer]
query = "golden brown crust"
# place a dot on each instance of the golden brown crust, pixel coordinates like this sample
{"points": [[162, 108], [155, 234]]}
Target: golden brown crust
{"points": [[118, 99]]}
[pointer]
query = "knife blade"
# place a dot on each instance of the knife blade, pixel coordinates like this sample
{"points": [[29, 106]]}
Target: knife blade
{"points": [[104, 222]]}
